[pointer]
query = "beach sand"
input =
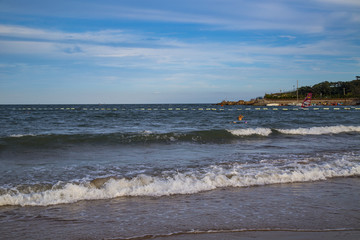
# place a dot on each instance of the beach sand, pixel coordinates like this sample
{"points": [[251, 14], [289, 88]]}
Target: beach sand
{"points": [[279, 235]]}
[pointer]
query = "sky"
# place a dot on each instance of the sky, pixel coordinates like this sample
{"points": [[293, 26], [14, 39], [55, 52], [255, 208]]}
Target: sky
{"points": [[167, 51]]}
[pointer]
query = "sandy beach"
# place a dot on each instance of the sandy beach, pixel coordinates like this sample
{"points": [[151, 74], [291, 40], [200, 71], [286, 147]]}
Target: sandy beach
{"points": [[279, 235]]}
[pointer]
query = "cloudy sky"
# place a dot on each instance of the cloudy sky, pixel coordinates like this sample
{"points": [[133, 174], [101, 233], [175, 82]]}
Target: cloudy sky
{"points": [[164, 51]]}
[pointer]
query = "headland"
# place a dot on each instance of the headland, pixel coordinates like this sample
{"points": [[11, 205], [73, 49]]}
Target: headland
{"points": [[294, 102], [324, 93]]}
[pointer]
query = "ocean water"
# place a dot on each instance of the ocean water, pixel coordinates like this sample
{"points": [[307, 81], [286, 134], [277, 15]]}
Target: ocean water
{"points": [[152, 171]]}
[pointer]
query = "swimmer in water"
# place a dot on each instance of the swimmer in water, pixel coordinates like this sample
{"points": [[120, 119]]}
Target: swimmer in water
{"points": [[239, 118]]}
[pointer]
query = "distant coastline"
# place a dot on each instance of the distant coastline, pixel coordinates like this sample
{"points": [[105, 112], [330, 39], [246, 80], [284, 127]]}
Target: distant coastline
{"points": [[292, 102], [324, 93]]}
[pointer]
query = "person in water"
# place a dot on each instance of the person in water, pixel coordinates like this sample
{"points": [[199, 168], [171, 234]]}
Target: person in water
{"points": [[239, 118]]}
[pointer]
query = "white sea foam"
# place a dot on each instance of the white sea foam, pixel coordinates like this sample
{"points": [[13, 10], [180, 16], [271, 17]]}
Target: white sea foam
{"points": [[22, 135], [296, 131], [250, 131], [321, 130], [231, 175], [146, 132]]}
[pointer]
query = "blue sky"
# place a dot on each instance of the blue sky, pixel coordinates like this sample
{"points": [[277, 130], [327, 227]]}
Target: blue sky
{"points": [[164, 51]]}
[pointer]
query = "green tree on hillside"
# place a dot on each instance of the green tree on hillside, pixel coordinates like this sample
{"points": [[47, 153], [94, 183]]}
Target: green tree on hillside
{"points": [[323, 90]]}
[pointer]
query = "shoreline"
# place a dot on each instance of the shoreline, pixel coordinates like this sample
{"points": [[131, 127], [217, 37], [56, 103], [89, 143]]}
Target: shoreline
{"points": [[267, 234], [294, 102]]}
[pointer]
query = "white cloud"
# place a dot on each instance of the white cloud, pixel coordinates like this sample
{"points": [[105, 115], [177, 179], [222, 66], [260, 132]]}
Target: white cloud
{"points": [[26, 47], [293, 17], [355, 3], [229, 15], [174, 63], [171, 53], [105, 36], [288, 37]]}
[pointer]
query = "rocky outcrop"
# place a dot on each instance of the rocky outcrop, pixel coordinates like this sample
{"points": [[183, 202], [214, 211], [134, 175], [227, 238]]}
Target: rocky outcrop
{"points": [[240, 102]]}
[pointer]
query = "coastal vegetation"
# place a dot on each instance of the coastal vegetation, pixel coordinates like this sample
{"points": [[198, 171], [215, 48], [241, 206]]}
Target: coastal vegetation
{"points": [[323, 90], [324, 93]]}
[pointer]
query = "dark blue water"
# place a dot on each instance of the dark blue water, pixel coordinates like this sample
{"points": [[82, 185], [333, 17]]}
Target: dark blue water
{"points": [[54, 156]]}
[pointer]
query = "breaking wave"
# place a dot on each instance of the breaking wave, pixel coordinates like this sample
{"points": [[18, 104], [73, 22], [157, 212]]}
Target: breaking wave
{"points": [[201, 136], [188, 182], [321, 130], [297, 131], [251, 131]]}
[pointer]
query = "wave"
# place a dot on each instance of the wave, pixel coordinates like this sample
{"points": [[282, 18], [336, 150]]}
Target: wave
{"points": [[187, 182], [31, 140], [205, 136], [21, 135], [321, 130], [296, 131], [251, 131]]}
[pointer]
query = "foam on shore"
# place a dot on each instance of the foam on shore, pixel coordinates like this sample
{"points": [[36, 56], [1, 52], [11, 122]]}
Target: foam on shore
{"points": [[190, 182]]}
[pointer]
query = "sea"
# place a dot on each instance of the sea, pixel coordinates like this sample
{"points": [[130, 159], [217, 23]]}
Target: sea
{"points": [[165, 171]]}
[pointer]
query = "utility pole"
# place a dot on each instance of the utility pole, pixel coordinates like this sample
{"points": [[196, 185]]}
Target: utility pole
{"points": [[297, 91]]}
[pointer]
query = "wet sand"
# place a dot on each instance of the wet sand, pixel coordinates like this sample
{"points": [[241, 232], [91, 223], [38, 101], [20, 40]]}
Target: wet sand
{"points": [[318, 210], [279, 235]]}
